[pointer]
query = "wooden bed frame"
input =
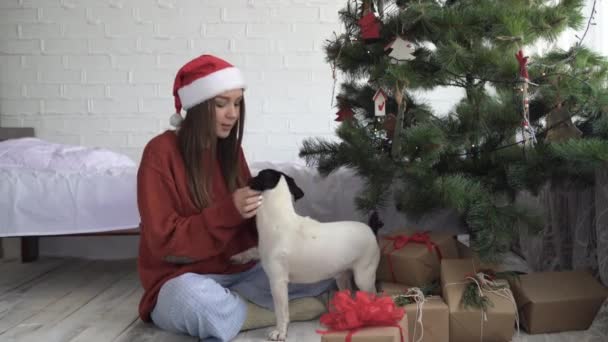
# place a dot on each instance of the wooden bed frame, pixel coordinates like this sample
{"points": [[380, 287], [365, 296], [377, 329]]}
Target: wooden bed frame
{"points": [[29, 244]]}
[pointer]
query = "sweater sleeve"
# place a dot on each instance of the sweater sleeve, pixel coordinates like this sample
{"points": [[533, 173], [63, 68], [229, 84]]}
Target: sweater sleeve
{"points": [[173, 236]]}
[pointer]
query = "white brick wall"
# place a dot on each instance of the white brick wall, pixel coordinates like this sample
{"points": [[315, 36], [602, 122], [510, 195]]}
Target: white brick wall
{"points": [[100, 72]]}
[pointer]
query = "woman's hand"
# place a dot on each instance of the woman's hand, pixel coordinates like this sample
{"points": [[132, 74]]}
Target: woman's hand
{"points": [[247, 201]]}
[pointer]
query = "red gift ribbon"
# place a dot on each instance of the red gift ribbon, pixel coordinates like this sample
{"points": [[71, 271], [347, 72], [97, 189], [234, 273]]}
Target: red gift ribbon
{"points": [[401, 241], [365, 310]]}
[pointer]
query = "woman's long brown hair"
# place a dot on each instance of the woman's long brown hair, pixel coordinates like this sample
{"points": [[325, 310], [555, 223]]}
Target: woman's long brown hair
{"points": [[198, 143]]}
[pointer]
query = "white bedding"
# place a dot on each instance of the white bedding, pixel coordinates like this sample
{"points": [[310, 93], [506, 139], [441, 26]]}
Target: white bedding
{"points": [[53, 189]]}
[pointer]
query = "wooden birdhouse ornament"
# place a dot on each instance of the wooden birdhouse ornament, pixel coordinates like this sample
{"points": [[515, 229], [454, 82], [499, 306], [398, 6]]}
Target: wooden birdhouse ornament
{"points": [[380, 99], [400, 50]]}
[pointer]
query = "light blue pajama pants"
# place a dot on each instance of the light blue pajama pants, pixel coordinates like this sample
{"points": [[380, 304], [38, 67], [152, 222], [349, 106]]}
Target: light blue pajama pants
{"points": [[206, 306]]}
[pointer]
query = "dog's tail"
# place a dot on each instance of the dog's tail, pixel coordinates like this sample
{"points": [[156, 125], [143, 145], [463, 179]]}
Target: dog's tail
{"points": [[375, 222]]}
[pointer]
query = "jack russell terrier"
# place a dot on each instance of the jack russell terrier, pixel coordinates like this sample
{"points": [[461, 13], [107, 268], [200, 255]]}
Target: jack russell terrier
{"points": [[298, 249]]}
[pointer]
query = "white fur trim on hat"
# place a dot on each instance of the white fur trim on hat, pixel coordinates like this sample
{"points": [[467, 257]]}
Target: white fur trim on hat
{"points": [[210, 86], [176, 120]]}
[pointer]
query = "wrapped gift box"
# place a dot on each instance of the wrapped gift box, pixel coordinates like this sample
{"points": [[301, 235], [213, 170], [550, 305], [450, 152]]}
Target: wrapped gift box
{"points": [[557, 301], [468, 324], [435, 316], [391, 289], [414, 263], [465, 252], [372, 334], [395, 288]]}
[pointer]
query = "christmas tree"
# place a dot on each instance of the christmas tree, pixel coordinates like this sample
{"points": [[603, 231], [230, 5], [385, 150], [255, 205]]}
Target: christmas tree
{"points": [[523, 121]]}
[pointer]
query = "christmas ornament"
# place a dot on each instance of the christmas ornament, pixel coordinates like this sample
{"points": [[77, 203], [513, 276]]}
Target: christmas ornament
{"points": [[389, 125], [560, 126], [369, 25], [528, 131], [400, 50], [344, 113], [380, 103], [401, 108]]}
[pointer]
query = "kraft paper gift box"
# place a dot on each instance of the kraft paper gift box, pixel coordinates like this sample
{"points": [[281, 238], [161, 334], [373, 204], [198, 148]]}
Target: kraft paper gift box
{"points": [[465, 252], [414, 263], [395, 288], [550, 302], [435, 316], [468, 324], [372, 334]]}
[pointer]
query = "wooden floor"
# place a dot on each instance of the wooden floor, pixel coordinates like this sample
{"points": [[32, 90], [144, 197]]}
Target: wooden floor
{"points": [[73, 300]]}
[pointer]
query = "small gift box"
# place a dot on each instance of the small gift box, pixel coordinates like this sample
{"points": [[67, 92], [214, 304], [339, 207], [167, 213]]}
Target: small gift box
{"points": [[365, 318], [481, 309], [427, 316], [390, 289], [465, 252], [414, 259], [545, 298]]}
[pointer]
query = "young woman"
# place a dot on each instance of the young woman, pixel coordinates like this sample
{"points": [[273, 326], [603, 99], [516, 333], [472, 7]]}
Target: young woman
{"points": [[197, 211]]}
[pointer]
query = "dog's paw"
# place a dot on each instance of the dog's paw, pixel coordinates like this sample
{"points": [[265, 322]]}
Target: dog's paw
{"points": [[276, 335]]}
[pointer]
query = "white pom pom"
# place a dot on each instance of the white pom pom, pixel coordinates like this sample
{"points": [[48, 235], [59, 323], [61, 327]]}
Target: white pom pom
{"points": [[176, 120]]}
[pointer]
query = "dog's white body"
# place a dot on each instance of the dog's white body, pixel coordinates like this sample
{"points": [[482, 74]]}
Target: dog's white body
{"points": [[298, 249]]}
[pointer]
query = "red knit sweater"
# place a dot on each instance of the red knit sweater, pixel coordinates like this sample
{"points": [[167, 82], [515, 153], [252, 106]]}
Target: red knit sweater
{"points": [[171, 226]]}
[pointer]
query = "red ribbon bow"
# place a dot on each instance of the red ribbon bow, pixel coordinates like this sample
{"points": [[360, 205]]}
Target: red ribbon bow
{"points": [[365, 310], [523, 61], [401, 241]]}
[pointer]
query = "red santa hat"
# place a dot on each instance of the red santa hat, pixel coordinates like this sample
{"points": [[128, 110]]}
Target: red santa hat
{"points": [[202, 79]]}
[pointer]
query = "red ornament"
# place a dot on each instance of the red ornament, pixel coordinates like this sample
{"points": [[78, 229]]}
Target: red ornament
{"points": [[370, 26], [345, 113], [523, 61], [389, 125], [365, 310]]}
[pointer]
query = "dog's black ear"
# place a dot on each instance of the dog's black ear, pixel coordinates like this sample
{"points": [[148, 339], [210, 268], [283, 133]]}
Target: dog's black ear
{"points": [[265, 179], [294, 188], [255, 183], [269, 178]]}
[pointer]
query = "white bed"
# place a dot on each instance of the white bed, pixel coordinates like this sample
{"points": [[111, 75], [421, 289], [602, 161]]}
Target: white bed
{"points": [[55, 189], [51, 189]]}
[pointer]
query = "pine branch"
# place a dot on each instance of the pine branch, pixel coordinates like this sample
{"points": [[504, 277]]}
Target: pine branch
{"points": [[472, 298], [474, 294], [427, 290], [591, 150], [315, 148]]}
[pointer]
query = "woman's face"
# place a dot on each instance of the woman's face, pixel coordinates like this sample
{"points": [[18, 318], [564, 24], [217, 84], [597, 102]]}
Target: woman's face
{"points": [[227, 111]]}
